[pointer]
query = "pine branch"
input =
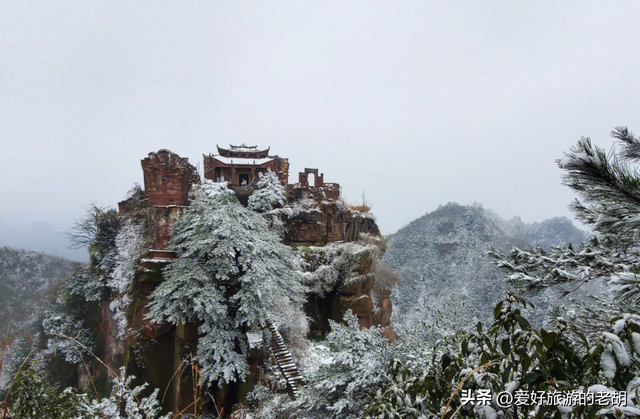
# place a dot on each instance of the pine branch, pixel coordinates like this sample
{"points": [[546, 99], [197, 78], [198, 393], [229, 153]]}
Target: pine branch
{"points": [[609, 188], [535, 270], [631, 145]]}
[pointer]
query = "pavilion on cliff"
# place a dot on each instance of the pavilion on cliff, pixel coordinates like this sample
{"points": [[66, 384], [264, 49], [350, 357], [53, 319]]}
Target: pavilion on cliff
{"points": [[242, 165]]}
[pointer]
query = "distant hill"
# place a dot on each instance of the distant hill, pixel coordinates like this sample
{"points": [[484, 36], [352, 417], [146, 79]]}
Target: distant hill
{"points": [[40, 237], [28, 280], [442, 260], [548, 233]]}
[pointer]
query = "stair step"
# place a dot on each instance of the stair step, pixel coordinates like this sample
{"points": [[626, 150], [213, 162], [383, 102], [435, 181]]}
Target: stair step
{"points": [[283, 356], [284, 360]]}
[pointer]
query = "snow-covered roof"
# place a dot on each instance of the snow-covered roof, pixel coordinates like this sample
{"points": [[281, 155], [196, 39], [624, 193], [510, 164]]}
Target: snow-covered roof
{"points": [[243, 147], [157, 260], [243, 151], [254, 339], [237, 160]]}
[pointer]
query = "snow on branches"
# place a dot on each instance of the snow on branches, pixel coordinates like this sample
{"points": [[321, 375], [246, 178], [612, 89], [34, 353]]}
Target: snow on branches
{"points": [[129, 247], [609, 202], [609, 191], [269, 195], [230, 272], [608, 186]]}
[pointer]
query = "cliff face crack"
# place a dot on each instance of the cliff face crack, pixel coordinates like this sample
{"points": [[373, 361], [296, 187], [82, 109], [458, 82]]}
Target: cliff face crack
{"points": [[284, 361]]}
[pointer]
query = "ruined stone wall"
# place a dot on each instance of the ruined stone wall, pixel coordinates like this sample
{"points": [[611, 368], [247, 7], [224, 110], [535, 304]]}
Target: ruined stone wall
{"points": [[168, 178], [317, 190], [281, 169], [326, 192], [153, 353]]}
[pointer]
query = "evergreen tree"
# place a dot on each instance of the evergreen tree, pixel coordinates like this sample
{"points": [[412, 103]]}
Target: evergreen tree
{"points": [[230, 272], [609, 202], [269, 195], [608, 187]]}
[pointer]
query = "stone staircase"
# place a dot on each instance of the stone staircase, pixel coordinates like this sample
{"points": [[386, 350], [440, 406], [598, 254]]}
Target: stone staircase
{"points": [[284, 360]]}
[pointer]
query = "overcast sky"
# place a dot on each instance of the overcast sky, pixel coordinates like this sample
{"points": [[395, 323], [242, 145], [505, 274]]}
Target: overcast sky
{"points": [[414, 103]]}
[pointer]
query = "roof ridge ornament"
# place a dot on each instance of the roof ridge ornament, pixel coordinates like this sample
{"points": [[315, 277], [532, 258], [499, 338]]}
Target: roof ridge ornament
{"points": [[243, 145]]}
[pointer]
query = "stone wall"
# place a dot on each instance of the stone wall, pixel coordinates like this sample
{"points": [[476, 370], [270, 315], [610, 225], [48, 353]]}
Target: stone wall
{"points": [[161, 220], [326, 192], [168, 178], [153, 354], [319, 191]]}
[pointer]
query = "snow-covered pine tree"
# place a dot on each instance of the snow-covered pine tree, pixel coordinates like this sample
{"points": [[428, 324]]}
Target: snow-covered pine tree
{"points": [[269, 195], [609, 202], [230, 272]]}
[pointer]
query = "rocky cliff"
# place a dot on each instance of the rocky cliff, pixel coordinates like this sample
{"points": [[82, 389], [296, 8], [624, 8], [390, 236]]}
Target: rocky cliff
{"points": [[340, 250]]}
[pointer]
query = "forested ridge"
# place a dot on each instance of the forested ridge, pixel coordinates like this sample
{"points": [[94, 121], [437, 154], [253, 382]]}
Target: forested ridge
{"points": [[442, 260]]}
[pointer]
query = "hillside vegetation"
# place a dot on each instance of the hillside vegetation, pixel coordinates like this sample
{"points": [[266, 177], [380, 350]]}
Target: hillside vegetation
{"points": [[583, 361], [29, 282], [442, 259]]}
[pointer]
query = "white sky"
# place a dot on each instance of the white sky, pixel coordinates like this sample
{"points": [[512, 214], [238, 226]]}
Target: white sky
{"points": [[414, 103]]}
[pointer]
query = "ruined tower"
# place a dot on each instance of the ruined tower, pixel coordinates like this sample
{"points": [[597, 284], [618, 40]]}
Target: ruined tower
{"points": [[167, 178]]}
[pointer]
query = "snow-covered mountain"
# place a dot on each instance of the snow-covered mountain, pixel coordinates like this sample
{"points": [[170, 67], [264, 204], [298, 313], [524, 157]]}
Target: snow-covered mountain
{"points": [[442, 259], [27, 281]]}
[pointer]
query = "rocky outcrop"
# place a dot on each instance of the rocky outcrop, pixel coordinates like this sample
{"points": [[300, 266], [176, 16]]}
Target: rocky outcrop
{"points": [[310, 223], [339, 247], [340, 250]]}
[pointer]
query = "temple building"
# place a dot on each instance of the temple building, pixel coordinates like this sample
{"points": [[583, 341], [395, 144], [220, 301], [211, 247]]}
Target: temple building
{"points": [[242, 165]]}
